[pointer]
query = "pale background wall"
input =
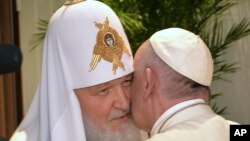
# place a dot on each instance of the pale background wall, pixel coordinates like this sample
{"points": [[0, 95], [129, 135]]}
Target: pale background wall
{"points": [[236, 95], [30, 11]]}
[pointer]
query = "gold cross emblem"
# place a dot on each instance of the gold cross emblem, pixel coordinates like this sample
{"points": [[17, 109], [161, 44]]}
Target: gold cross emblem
{"points": [[70, 2], [109, 46]]}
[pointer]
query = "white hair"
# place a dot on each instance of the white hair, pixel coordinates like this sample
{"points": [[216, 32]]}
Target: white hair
{"points": [[96, 133]]}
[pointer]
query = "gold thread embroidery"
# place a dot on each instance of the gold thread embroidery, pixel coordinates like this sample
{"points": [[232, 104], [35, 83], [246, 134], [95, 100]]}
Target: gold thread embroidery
{"points": [[70, 2], [109, 46]]}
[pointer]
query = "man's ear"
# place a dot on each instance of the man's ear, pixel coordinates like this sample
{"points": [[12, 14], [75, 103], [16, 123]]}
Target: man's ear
{"points": [[149, 77]]}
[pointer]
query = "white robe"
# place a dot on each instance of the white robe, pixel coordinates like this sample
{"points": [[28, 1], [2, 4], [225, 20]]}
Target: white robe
{"points": [[193, 121]]}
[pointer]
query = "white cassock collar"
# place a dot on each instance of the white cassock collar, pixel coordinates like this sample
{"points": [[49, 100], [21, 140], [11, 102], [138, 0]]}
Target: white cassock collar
{"points": [[171, 111]]}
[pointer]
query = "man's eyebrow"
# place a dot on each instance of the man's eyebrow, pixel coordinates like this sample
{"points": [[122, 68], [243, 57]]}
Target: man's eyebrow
{"points": [[99, 85], [131, 75]]}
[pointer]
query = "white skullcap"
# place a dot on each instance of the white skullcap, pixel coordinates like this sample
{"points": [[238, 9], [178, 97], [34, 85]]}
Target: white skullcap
{"points": [[85, 45], [185, 52]]}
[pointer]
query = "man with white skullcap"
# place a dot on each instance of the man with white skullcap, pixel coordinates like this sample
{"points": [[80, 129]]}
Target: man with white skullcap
{"points": [[84, 92], [170, 90]]}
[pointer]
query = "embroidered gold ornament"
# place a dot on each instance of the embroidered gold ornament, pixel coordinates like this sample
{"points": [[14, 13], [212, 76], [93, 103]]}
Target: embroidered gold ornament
{"points": [[70, 2], [109, 46]]}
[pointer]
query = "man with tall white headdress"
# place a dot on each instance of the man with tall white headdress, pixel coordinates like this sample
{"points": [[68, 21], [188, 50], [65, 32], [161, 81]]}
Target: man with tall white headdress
{"points": [[84, 92]]}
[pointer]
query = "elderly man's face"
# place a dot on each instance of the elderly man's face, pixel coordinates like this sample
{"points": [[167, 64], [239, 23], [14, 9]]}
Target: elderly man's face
{"points": [[105, 107]]}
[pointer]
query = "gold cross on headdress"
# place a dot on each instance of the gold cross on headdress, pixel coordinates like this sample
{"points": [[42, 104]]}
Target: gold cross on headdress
{"points": [[70, 2], [109, 46]]}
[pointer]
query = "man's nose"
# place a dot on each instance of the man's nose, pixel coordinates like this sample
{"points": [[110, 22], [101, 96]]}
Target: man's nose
{"points": [[122, 98]]}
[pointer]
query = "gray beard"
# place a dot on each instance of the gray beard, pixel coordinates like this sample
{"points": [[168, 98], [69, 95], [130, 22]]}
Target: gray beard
{"points": [[95, 133]]}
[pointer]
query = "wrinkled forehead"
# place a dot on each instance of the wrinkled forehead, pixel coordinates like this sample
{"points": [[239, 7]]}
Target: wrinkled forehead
{"points": [[117, 81], [77, 35]]}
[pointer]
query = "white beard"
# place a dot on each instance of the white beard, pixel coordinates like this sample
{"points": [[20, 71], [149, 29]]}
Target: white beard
{"points": [[95, 133]]}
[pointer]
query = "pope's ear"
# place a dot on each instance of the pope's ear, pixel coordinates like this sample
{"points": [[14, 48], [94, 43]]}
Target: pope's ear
{"points": [[149, 77]]}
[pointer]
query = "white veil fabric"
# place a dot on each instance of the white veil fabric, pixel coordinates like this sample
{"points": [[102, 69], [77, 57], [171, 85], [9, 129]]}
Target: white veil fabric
{"points": [[55, 114]]}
